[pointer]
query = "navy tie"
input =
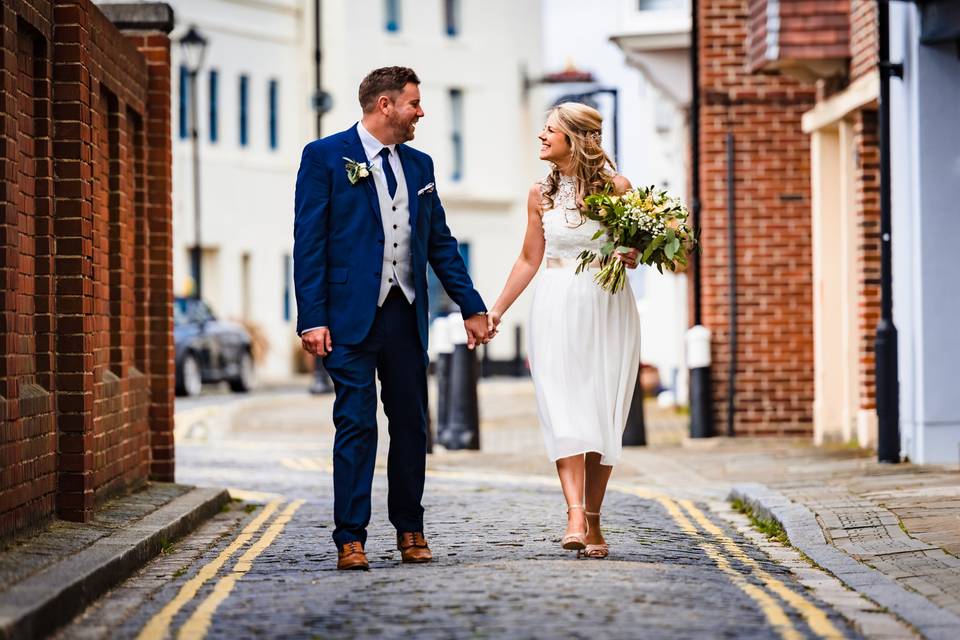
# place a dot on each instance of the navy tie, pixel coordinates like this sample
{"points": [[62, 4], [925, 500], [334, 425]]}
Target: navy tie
{"points": [[388, 172]]}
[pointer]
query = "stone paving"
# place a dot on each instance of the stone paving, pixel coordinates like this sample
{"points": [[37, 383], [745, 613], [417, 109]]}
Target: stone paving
{"points": [[499, 572], [678, 568]]}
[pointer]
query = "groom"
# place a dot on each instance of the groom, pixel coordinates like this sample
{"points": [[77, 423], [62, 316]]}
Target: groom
{"points": [[368, 220]]}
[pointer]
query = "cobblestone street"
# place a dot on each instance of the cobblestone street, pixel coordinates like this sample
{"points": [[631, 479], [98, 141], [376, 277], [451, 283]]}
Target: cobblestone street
{"points": [[266, 565]]}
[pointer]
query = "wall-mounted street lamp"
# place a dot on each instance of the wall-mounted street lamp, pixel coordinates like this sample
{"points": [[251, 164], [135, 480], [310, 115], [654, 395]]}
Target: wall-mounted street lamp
{"points": [[193, 47], [573, 76]]}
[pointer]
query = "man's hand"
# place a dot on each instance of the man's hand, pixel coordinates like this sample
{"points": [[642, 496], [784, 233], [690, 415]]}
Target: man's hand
{"points": [[629, 258], [317, 341], [476, 327], [493, 322]]}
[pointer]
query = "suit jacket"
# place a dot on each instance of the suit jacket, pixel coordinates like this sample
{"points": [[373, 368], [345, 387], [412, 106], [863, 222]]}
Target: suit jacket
{"points": [[338, 241]]}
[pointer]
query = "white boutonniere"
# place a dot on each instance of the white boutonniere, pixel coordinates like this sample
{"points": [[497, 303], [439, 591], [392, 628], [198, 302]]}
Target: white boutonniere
{"points": [[357, 171], [426, 189]]}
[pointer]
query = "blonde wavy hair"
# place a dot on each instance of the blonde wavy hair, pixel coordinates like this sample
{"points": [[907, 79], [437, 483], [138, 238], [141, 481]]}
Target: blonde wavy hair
{"points": [[593, 169]]}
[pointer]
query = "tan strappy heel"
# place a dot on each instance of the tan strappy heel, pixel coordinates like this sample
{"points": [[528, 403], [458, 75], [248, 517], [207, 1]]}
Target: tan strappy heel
{"points": [[595, 551], [575, 541]]}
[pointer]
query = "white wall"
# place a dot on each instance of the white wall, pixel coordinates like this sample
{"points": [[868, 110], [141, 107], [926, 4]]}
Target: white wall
{"points": [[926, 233], [486, 208], [650, 152]]}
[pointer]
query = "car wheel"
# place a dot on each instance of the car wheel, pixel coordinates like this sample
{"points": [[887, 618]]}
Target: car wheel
{"points": [[190, 382], [245, 378]]}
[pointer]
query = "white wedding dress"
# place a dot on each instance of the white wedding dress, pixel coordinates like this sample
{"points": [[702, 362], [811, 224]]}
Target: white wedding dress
{"points": [[583, 342]]}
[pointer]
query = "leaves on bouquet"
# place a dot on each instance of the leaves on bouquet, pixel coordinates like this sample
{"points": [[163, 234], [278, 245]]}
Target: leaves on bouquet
{"points": [[644, 218]]}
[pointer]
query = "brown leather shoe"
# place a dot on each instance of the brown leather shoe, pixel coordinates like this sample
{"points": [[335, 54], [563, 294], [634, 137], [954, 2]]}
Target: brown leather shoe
{"points": [[413, 547], [352, 556]]}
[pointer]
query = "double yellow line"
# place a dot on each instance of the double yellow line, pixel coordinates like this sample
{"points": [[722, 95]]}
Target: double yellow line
{"points": [[771, 607], [199, 622]]}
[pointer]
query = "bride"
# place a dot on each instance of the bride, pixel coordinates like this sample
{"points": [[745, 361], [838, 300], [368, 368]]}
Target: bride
{"points": [[583, 342]]}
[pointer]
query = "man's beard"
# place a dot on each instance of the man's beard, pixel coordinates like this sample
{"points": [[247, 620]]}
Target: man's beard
{"points": [[403, 132]]}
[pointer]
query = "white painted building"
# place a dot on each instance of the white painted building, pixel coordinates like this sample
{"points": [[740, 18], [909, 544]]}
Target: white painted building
{"points": [[254, 114], [480, 127], [595, 36], [925, 154]]}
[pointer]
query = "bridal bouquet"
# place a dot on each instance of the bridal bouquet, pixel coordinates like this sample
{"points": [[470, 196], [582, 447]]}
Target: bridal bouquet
{"points": [[647, 219]]}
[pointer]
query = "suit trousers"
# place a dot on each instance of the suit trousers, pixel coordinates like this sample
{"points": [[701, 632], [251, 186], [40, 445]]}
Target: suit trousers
{"points": [[393, 351]]}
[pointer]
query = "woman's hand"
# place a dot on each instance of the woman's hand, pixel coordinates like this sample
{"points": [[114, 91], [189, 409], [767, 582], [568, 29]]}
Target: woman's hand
{"points": [[493, 321], [629, 258]]}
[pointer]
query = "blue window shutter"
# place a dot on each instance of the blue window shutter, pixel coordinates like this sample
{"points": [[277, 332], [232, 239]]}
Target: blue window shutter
{"points": [[451, 11], [392, 15], [184, 112], [214, 104], [287, 275], [244, 87], [272, 124], [456, 132]]}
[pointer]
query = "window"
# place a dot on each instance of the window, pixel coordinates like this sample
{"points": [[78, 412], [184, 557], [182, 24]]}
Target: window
{"points": [[244, 98], [392, 15], [451, 14], [287, 277], [653, 5], [214, 103], [272, 110], [456, 133], [184, 96]]}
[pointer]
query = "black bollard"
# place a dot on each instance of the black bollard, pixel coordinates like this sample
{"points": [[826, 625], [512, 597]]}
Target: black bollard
{"points": [[698, 362], [464, 426], [442, 370], [635, 432], [519, 366]]}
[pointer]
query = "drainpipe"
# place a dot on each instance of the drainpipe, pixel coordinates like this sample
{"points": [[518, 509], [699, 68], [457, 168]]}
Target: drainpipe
{"points": [[732, 274], [697, 339], [885, 345]]}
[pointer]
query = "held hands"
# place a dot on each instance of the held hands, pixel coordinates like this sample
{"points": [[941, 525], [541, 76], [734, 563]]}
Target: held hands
{"points": [[493, 323], [317, 342], [476, 327], [629, 258]]}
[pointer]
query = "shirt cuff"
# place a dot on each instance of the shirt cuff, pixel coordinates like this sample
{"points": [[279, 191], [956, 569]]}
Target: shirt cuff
{"points": [[306, 331]]}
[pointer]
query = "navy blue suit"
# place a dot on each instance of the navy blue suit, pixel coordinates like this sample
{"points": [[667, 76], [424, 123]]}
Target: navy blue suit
{"points": [[338, 254]]}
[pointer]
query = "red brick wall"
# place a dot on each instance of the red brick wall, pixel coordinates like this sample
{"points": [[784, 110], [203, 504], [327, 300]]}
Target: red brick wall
{"points": [[86, 370], [28, 426], [806, 30], [774, 374], [867, 180], [863, 38]]}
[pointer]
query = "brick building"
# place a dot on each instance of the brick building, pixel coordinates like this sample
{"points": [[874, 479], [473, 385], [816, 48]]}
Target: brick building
{"points": [[831, 46], [86, 308], [755, 265]]}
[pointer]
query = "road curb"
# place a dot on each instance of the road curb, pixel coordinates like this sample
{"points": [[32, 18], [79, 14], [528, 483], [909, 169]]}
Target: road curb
{"points": [[50, 598], [805, 533]]}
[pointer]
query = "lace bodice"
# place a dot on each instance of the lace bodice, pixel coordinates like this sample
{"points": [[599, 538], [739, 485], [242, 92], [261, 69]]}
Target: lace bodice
{"points": [[563, 232]]}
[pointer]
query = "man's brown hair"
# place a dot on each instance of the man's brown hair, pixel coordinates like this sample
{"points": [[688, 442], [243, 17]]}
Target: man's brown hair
{"points": [[384, 81]]}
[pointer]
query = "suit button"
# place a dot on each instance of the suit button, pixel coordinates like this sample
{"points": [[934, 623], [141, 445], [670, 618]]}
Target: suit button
{"points": [[394, 262], [390, 280], [394, 226], [395, 245], [394, 208]]}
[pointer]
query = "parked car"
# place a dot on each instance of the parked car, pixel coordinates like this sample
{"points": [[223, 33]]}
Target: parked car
{"points": [[208, 349]]}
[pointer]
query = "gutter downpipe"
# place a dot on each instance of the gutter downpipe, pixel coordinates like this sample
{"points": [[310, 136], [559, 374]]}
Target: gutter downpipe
{"points": [[885, 344], [697, 339]]}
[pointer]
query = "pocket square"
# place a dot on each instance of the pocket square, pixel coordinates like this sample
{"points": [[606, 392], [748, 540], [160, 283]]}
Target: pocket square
{"points": [[426, 189]]}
